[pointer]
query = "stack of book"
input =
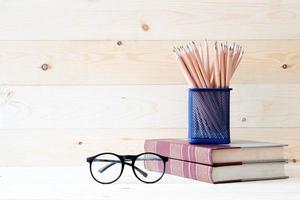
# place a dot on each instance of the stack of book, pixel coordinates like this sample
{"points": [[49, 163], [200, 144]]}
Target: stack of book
{"points": [[222, 163]]}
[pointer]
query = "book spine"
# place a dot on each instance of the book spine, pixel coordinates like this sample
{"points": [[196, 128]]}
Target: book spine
{"points": [[180, 151], [184, 169]]}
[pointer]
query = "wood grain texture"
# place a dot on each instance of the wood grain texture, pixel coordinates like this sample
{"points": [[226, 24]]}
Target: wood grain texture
{"points": [[134, 62], [151, 106], [149, 20], [70, 147], [58, 183]]}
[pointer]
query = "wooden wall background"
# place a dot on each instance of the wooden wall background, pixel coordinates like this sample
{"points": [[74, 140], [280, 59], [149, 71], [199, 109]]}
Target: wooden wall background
{"points": [[112, 80]]}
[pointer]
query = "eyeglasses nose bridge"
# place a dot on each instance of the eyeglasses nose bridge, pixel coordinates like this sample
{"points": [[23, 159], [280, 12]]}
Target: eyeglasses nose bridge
{"points": [[129, 157]]}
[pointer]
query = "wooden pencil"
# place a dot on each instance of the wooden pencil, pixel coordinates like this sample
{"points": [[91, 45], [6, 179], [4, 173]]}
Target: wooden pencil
{"points": [[190, 66], [222, 66], [237, 63], [217, 67], [228, 67], [200, 64], [196, 66], [225, 64], [201, 72], [185, 70], [206, 56]]}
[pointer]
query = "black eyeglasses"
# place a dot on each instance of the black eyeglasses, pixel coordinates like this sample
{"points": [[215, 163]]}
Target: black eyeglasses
{"points": [[107, 168]]}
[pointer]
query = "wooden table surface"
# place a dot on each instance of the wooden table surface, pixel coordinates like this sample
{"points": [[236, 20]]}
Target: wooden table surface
{"points": [[76, 183]]}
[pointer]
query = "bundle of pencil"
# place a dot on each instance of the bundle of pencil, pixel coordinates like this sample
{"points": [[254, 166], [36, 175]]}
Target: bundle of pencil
{"points": [[203, 69]]}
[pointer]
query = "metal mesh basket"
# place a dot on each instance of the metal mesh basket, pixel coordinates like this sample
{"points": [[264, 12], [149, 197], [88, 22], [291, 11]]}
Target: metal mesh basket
{"points": [[208, 115]]}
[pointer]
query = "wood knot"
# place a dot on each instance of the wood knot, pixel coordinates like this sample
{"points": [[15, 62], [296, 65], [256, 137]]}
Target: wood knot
{"points": [[45, 67], [145, 27], [80, 143], [119, 43], [244, 119], [10, 93], [284, 66]]}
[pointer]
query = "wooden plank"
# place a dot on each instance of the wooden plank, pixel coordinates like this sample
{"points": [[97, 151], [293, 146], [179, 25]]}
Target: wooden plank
{"points": [[76, 183], [70, 147], [151, 106], [149, 20], [134, 62]]}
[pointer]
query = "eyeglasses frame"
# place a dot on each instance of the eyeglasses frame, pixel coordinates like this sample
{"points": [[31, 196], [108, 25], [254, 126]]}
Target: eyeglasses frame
{"points": [[122, 158]]}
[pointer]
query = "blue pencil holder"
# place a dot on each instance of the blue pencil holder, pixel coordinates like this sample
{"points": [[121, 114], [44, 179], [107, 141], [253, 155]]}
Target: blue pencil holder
{"points": [[209, 115]]}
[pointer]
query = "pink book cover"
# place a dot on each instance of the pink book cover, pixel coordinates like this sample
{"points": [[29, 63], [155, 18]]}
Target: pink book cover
{"points": [[181, 149], [184, 169], [195, 171]]}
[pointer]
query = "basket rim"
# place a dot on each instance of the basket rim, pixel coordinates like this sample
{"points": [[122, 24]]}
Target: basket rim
{"points": [[210, 89]]}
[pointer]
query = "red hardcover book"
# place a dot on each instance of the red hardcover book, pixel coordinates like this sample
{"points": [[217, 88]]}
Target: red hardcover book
{"points": [[238, 161], [237, 152], [222, 174]]}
